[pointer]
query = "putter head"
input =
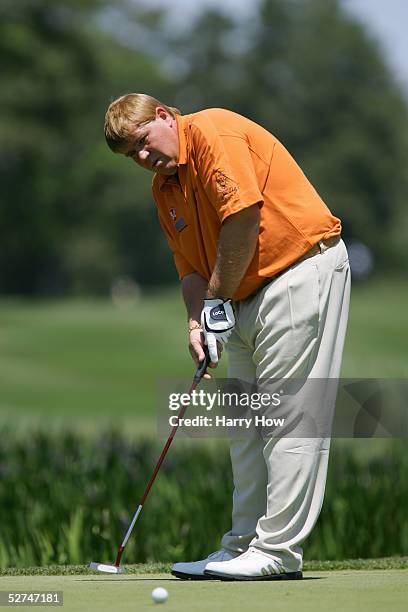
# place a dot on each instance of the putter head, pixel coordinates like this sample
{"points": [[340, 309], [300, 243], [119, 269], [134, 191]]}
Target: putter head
{"points": [[106, 569]]}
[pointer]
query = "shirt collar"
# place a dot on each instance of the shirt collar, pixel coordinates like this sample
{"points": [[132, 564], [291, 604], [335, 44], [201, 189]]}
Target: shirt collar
{"points": [[181, 127]]}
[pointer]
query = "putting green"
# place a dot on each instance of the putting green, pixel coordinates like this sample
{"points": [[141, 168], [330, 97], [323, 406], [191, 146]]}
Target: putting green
{"points": [[354, 591]]}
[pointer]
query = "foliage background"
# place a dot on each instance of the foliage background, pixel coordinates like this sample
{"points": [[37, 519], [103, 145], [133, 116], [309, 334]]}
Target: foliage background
{"points": [[69, 500]]}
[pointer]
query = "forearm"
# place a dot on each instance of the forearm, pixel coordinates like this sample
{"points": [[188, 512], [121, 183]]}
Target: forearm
{"points": [[194, 288], [236, 247]]}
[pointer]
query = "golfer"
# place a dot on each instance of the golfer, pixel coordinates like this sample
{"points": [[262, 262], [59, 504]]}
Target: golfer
{"points": [[264, 271]]}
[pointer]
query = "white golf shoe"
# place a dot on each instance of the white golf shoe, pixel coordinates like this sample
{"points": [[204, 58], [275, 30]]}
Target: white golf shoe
{"points": [[251, 565], [195, 569]]}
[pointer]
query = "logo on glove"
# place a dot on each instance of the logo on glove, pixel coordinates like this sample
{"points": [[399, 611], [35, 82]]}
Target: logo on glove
{"points": [[218, 314]]}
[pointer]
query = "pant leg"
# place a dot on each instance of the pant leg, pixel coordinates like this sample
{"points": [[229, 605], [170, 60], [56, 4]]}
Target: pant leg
{"points": [[295, 327], [300, 333], [249, 496]]}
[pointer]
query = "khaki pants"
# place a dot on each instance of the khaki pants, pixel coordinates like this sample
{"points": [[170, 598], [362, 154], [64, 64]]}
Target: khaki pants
{"points": [[294, 327]]}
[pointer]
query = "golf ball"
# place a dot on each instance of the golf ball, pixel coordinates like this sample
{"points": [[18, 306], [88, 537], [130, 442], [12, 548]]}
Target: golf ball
{"points": [[159, 595]]}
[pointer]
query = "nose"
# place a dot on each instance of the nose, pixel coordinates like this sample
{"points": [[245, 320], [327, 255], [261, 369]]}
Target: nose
{"points": [[143, 155], [142, 158]]}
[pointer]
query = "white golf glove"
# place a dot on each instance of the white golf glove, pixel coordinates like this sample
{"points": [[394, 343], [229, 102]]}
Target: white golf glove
{"points": [[217, 321]]}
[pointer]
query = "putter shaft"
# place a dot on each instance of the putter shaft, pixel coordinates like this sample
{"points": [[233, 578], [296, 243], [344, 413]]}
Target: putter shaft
{"points": [[197, 377]]}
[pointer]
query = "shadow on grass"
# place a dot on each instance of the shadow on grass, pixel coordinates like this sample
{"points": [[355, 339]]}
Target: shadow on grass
{"points": [[211, 580]]}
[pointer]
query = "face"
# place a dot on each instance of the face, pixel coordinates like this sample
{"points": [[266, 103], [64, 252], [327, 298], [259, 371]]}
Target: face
{"points": [[155, 146]]}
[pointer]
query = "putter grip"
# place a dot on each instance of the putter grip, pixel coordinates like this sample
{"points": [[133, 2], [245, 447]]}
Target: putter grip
{"points": [[203, 365]]}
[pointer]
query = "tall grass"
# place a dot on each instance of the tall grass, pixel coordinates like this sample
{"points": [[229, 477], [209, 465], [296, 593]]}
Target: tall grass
{"points": [[68, 499]]}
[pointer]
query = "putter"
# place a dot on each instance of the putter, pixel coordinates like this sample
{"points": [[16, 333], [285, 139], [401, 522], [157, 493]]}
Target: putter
{"points": [[116, 568]]}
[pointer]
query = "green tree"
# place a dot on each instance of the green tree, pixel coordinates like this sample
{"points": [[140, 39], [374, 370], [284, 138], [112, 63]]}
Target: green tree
{"points": [[66, 202]]}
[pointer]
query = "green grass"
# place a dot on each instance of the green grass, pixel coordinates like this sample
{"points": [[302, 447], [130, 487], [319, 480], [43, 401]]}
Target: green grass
{"points": [[378, 327], [354, 591], [140, 569], [87, 364]]}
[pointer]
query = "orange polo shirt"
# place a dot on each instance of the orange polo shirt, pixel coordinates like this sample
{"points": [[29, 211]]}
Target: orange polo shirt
{"points": [[226, 164]]}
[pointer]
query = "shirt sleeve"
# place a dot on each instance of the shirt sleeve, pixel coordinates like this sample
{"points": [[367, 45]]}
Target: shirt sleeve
{"points": [[225, 168]]}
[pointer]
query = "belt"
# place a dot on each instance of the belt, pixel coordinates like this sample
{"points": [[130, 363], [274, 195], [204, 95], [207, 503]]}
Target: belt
{"points": [[320, 247]]}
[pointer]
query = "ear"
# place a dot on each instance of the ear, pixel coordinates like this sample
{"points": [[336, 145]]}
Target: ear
{"points": [[161, 113]]}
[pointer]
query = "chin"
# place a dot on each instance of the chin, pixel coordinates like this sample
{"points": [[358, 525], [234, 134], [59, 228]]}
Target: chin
{"points": [[166, 170]]}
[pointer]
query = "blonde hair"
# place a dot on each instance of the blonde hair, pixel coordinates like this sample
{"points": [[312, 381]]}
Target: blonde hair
{"points": [[127, 113]]}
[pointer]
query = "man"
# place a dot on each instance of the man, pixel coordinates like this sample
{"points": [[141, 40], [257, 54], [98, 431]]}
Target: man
{"points": [[264, 271]]}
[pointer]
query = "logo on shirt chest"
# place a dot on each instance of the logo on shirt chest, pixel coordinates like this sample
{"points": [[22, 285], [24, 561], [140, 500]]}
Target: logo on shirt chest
{"points": [[179, 224]]}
